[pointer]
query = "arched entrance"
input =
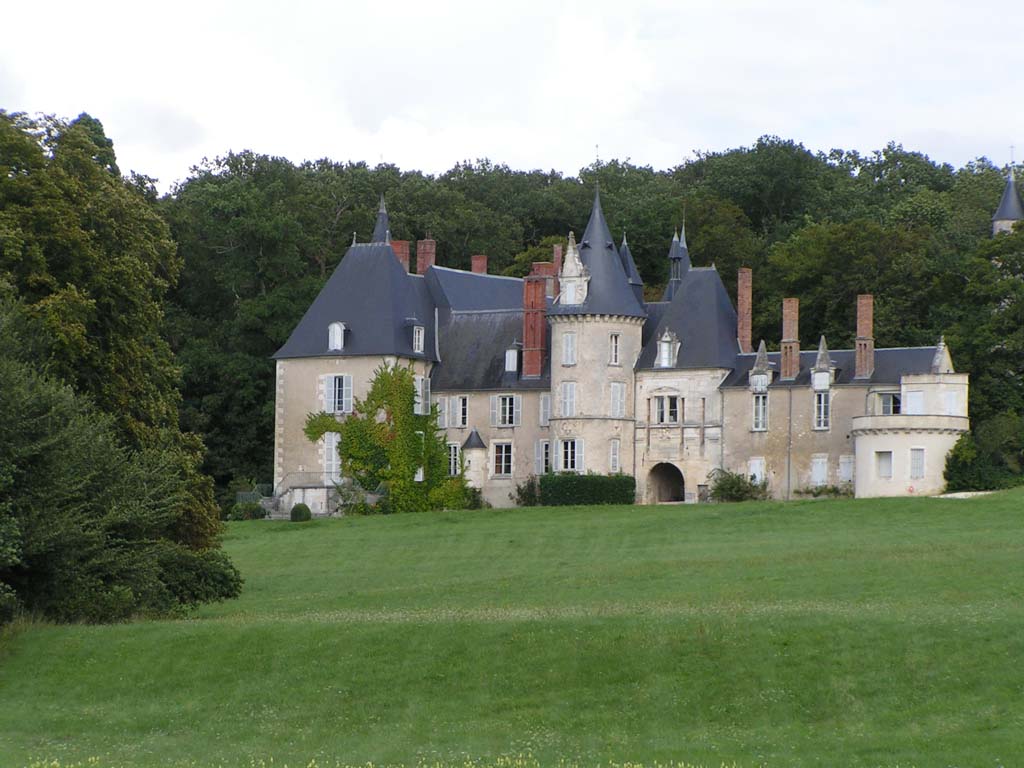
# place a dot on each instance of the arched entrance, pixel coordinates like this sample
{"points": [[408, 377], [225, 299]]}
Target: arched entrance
{"points": [[665, 483]]}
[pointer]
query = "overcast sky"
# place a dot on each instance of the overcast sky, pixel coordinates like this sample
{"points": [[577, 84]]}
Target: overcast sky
{"points": [[530, 84]]}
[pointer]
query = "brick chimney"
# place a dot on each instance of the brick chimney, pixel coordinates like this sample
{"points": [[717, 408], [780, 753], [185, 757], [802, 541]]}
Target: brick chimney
{"points": [[426, 252], [790, 339], [479, 262], [744, 308], [534, 321], [864, 364], [547, 269], [401, 249]]}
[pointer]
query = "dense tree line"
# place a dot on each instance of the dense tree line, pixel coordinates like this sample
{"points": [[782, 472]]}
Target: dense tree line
{"points": [[105, 510]]}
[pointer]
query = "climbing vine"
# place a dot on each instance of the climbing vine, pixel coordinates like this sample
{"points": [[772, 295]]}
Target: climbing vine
{"points": [[385, 443]]}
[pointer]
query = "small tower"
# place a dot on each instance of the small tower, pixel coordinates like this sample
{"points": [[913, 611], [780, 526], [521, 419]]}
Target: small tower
{"points": [[679, 263], [1010, 210], [382, 228], [629, 266]]}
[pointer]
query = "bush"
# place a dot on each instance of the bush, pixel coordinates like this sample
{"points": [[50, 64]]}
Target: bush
{"points": [[527, 493], [247, 510], [981, 464], [301, 513], [733, 486], [570, 488], [451, 494]]}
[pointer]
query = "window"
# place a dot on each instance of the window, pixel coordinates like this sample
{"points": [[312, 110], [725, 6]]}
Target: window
{"points": [[952, 403], [458, 411], [338, 394], [568, 405], [545, 409], [336, 337], [417, 338], [666, 409], [846, 468], [332, 460], [542, 457], [569, 348], [916, 463], [502, 459], [665, 356], [454, 456], [511, 360], [890, 404], [759, 382], [821, 380], [618, 393], [755, 469], [572, 455], [883, 464], [821, 410], [760, 412], [613, 349], [421, 405], [569, 293], [505, 410], [914, 403], [613, 456], [819, 470]]}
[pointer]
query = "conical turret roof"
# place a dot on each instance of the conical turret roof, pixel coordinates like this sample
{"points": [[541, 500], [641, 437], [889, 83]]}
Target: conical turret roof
{"points": [[823, 361], [635, 281], [679, 263], [1010, 208], [382, 229], [609, 291]]}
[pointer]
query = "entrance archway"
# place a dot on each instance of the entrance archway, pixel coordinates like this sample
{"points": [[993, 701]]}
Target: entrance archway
{"points": [[665, 482]]}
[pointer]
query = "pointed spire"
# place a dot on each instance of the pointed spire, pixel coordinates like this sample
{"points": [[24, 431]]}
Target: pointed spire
{"points": [[353, 238], [941, 362], [761, 361], [1010, 208], [822, 362], [382, 229], [679, 263]]}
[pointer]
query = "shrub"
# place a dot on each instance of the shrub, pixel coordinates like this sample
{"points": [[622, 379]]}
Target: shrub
{"points": [[247, 510], [451, 494], [974, 465], [570, 488], [301, 513], [733, 486], [527, 492], [817, 491]]}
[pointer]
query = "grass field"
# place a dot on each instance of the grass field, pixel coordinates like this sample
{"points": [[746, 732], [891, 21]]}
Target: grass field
{"points": [[861, 633]]}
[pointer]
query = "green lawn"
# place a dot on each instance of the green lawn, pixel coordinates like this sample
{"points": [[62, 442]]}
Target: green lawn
{"points": [[867, 633]]}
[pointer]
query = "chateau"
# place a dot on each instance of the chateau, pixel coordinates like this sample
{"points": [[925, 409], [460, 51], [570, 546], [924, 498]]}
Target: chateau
{"points": [[570, 370]]}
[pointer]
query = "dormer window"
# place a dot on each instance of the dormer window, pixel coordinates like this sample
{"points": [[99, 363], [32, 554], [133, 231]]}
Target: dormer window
{"points": [[336, 337], [667, 350], [821, 380], [759, 382], [417, 338]]}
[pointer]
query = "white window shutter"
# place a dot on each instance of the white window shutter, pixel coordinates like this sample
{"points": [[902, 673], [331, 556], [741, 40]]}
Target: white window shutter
{"points": [[442, 412], [322, 393], [580, 463], [347, 393], [517, 410], [494, 410], [538, 458], [426, 395]]}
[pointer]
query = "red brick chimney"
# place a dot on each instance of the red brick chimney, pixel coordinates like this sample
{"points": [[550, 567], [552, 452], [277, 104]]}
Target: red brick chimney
{"points": [[534, 321], [426, 252], [744, 308], [864, 364], [401, 249], [547, 269], [479, 262], [790, 339], [556, 257]]}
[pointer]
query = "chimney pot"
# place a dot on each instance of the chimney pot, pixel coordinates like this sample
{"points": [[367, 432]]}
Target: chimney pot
{"points": [[864, 362]]}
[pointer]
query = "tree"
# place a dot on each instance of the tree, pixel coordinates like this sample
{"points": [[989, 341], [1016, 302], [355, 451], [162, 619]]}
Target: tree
{"points": [[386, 442]]}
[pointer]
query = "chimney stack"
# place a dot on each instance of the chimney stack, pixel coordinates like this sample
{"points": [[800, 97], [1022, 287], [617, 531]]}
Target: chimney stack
{"points": [[479, 262], [534, 321], [864, 364], [401, 249], [790, 339], [744, 308], [426, 252], [547, 269]]}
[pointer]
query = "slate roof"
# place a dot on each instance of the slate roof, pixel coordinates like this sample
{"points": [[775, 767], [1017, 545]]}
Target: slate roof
{"points": [[473, 346], [609, 291], [632, 274], [373, 295], [470, 291], [890, 365], [701, 316], [1010, 207]]}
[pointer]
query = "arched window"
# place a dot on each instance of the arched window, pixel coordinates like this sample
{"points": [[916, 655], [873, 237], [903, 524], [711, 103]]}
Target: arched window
{"points": [[336, 337]]}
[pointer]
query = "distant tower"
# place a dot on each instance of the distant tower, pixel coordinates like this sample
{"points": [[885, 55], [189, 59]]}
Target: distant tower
{"points": [[679, 264], [1010, 210]]}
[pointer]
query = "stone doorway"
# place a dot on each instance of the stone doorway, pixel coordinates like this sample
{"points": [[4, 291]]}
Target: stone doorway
{"points": [[665, 483]]}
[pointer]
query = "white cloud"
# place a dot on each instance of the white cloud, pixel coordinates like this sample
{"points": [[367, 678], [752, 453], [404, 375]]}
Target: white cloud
{"points": [[533, 84]]}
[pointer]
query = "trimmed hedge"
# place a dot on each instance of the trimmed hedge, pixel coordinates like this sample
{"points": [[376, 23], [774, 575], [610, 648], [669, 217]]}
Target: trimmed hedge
{"points": [[570, 488], [301, 513]]}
